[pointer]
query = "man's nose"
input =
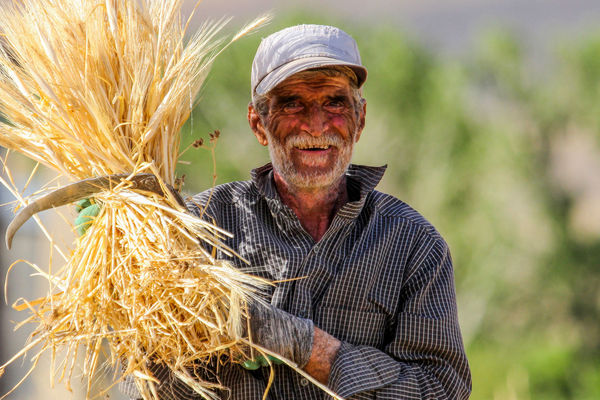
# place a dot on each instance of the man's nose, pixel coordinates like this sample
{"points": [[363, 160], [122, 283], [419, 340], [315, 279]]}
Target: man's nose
{"points": [[315, 121]]}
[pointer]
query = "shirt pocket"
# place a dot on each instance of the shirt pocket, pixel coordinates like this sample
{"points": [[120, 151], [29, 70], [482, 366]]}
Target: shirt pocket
{"points": [[356, 327]]}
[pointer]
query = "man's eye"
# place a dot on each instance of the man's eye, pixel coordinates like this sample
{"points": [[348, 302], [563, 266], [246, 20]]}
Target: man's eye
{"points": [[292, 106], [335, 105]]}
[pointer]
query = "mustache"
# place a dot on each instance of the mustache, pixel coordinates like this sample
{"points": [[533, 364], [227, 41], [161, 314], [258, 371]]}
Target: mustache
{"points": [[306, 141]]}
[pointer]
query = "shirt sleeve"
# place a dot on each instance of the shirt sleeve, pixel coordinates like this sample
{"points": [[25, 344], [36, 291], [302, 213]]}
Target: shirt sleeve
{"points": [[425, 357]]}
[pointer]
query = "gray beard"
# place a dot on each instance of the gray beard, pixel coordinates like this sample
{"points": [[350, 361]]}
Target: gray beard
{"points": [[282, 162]]}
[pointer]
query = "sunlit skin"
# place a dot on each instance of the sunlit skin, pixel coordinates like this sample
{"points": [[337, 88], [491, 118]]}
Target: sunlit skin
{"points": [[311, 128]]}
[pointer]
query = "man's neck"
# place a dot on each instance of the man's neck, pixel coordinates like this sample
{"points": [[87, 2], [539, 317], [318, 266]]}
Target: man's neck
{"points": [[315, 208]]}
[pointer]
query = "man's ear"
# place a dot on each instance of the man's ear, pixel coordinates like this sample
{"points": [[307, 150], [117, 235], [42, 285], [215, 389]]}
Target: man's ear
{"points": [[256, 125], [361, 120]]}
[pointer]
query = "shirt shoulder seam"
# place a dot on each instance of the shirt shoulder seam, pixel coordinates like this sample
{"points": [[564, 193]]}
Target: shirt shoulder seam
{"points": [[389, 212]]}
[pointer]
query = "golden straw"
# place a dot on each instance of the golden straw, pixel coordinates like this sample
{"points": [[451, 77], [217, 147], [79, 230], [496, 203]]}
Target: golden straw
{"points": [[92, 88]]}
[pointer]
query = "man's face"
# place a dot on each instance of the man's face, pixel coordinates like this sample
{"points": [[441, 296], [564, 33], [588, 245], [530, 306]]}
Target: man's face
{"points": [[311, 129]]}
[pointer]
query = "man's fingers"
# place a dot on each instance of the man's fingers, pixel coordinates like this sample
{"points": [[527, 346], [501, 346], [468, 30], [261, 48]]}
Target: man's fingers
{"points": [[275, 360], [261, 361], [82, 204], [251, 365], [86, 217]]}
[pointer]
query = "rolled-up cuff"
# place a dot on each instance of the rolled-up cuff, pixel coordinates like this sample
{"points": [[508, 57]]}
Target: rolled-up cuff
{"points": [[360, 368], [306, 333]]}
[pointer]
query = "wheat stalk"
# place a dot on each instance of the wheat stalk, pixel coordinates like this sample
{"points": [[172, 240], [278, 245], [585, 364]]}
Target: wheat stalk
{"points": [[92, 88]]}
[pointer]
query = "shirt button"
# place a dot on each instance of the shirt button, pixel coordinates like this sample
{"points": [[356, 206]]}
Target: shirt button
{"points": [[302, 314], [304, 382]]}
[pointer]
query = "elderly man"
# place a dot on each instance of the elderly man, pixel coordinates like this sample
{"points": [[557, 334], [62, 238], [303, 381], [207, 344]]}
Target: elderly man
{"points": [[374, 315], [366, 303]]}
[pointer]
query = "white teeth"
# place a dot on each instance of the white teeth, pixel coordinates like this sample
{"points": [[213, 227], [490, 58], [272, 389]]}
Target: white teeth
{"points": [[321, 147]]}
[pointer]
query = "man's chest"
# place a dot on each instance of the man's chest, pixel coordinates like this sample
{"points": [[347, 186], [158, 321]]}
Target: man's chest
{"points": [[349, 283]]}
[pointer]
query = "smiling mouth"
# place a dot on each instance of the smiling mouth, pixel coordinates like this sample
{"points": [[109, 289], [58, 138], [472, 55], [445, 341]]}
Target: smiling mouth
{"points": [[313, 148]]}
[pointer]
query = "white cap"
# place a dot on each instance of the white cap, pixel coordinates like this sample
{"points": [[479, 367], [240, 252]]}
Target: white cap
{"points": [[299, 48]]}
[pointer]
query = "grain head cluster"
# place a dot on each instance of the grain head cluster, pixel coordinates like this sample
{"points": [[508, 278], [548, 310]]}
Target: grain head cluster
{"points": [[97, 87]]}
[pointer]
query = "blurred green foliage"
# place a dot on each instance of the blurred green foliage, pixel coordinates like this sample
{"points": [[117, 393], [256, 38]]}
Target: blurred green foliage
{"points": [[488, 150], [501, 156]]}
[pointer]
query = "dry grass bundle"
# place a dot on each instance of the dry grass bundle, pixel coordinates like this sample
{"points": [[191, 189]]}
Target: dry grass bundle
{"points": [[98, 87]]}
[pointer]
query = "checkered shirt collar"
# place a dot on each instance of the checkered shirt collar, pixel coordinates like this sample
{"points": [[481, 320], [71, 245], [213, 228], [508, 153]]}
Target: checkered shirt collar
{"points": [[361, 181]]}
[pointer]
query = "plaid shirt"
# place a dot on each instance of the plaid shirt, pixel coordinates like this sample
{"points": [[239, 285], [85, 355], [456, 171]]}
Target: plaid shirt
{"points": [[380, 280]]}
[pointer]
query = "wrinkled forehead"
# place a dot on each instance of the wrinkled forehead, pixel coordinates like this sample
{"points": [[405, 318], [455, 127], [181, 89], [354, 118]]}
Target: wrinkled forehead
{"points": [[313, 85]]}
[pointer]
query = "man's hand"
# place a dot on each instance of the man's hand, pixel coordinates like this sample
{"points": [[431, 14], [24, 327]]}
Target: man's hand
{"points": [[297, 339]]}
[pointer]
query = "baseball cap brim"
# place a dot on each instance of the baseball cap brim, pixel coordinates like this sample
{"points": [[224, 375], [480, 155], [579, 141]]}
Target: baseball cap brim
{"points": [[280, 74]]}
